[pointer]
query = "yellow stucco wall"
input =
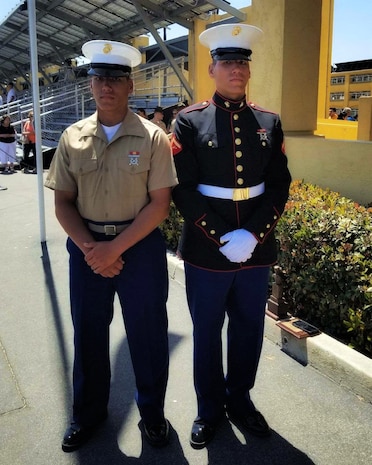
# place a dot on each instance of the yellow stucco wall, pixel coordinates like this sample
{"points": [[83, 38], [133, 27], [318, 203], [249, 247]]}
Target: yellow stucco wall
{"points": [[337, 129], [343, 166]]}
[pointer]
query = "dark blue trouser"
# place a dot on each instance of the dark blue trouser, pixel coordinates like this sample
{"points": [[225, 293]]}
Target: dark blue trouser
{"points": [[142, 287], [242, 295]]}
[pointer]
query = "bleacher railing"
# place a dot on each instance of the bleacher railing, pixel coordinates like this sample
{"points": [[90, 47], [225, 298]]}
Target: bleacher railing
{"points": [[63, 103]]}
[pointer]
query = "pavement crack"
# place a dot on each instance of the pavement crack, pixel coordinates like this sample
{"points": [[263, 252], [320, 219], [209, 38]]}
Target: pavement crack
{"points": [[14, 380]]}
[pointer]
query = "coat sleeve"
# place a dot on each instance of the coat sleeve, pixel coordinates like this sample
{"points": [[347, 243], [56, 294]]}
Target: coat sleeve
{"points": [[192, 205]]}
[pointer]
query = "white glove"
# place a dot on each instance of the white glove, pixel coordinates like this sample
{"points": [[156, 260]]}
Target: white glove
{"points": [[240, 245]]}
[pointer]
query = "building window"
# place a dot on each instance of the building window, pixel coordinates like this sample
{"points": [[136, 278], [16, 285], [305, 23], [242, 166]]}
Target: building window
{"points": [[361, 78], [357, 95], [337, 80], [337, 96]]}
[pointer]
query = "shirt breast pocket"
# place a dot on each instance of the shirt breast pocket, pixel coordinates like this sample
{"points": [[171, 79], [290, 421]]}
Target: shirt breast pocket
{"points": [[211, 156], [134, 171], [82, 166], [260, 150]]}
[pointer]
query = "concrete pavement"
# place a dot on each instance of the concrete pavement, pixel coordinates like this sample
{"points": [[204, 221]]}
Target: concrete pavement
{"points": [[316, 415]]}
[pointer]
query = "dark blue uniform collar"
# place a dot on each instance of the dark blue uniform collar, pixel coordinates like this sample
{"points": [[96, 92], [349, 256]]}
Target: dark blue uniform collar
{"points": [[227, 104]]}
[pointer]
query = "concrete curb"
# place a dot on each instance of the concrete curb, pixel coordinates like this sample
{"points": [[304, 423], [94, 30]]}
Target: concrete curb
{"points": [[340, 363]]}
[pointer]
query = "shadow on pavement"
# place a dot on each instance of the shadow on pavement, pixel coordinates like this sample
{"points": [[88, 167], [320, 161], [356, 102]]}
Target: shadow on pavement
{"points": [[104, 447], [56, 312], [230, 446]]}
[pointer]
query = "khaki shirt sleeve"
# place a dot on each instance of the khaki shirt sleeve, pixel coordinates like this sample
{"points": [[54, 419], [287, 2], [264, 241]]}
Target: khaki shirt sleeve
{"points": [[162, 171], [59, 176]]}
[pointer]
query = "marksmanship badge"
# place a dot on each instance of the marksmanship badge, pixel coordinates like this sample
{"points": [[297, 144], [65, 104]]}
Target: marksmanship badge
{"points": [[133, 158], [263, 136]]}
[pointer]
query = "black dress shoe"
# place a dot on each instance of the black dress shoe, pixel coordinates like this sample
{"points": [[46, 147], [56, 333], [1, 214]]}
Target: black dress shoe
{"points": [[157, 435], [253, 422], [201, 434], [75, 436]]}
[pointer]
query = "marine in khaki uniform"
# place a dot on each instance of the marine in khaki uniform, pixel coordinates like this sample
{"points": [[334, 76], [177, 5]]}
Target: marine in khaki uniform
{"points": [[112, 174], [233, 186]]}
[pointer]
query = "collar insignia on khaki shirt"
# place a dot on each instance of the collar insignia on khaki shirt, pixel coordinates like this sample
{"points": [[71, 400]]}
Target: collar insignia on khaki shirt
{"points": [[133, 158]]}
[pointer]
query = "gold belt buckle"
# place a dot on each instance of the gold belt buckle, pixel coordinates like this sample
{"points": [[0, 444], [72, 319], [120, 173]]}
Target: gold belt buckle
{"points": [[241, 193], [110, 229]]}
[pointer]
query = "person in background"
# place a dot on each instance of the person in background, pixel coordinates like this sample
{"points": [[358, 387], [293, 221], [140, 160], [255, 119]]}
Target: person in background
{"points": [[142, 112], [8, 148], [233, 186], [348, 112], [28, 132], [112, 174], [332, 113], [345, 114], [11, 93], [158, 118], [172, 123]]}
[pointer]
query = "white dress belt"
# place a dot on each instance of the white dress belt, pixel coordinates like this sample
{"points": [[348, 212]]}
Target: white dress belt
{"points": [[237, 194]]}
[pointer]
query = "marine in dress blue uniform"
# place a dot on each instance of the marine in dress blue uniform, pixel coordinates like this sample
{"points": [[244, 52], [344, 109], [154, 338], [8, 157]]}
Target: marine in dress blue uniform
{"points": [[233, 186], [112, 175]]}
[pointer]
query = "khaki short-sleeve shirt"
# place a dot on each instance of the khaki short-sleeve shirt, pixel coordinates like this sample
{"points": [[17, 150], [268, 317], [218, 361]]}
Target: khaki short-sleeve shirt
{"points": [[112, 180]]}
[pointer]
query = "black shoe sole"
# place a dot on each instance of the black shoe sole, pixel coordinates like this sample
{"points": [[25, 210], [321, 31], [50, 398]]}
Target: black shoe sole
{"points": [[198, 445]]}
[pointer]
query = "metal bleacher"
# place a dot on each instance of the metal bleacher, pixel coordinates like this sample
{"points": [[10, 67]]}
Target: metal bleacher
{"points": [[67, 101]]}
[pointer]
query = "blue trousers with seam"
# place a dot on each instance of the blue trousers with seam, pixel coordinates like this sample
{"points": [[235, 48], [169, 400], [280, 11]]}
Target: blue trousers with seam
{"points": [[142, 288], [242, 297]]}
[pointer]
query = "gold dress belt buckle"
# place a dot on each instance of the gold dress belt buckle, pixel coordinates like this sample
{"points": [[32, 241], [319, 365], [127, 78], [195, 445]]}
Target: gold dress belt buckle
{"points": [[241, 193], [110, 229]]}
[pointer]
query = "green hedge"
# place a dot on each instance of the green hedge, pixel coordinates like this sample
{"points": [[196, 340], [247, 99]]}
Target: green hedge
{"points": [[171, 228], [325, 254]]}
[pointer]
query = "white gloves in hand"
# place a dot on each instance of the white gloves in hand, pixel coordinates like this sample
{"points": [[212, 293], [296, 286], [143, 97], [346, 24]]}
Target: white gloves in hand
{"points": [[240, 245]]}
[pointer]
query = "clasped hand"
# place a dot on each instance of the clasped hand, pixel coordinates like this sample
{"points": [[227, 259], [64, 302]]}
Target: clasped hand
{"points": [[240, 245], [102, 259]]}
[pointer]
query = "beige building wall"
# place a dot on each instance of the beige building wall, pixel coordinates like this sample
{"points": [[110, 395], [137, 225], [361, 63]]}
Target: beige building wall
{"points": [[342, 166], [365, 122], [286, 67], [158, 80]]}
